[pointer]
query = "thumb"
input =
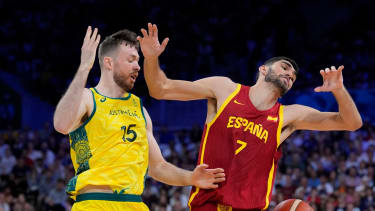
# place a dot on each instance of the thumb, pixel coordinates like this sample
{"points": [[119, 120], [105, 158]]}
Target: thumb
{"points": [[164, 43], [202, 167], [140, 40], [318, 89]]}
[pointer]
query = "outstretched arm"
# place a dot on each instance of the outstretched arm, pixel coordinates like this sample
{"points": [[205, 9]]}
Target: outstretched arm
{"points": [[73, 105], [165, 172], [348, 117], [161, 87]]}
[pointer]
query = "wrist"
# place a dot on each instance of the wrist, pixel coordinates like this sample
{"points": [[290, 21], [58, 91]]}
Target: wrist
{"points": [[84, 68], [339, 90], [190, 180], [151, 57]]}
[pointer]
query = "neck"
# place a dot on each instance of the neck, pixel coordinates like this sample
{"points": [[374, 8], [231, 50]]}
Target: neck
{"points": [[264, 95], [109, 88]]}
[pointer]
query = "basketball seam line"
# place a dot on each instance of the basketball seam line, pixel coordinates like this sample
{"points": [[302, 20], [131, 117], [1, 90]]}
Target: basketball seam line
{"points": [[295, 204]]}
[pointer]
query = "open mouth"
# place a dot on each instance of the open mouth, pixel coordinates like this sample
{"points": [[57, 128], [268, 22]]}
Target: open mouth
{"points": [[133, 77], [286, 81]]}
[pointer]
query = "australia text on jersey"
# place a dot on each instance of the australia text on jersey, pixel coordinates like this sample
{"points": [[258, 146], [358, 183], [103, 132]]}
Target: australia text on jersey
{"points": [[124, 112]]}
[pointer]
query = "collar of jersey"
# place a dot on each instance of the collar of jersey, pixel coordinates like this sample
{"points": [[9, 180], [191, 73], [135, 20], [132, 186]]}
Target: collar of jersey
{"points": [[119, 98]]}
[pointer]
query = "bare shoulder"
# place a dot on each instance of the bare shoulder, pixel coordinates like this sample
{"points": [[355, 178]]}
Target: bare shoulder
{"points": [[87, 102], [295, 114], [291, 113], [148, 118], [221, 86]]}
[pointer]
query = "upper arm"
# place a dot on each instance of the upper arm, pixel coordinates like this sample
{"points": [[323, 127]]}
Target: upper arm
{"points": [[301, 117], [155, 156], [85, 108], [211, 87]]}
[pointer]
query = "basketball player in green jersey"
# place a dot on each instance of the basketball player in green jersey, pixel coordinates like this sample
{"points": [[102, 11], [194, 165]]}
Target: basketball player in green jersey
{"points": [[111, 139]]}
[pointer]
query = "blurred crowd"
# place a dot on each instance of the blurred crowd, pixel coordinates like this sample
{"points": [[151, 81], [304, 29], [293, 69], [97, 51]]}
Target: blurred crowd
{"points": [[333, 171]]}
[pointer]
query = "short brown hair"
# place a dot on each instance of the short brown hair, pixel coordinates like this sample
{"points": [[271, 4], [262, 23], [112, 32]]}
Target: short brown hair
{"points": [[272, 60], [113, 41]]}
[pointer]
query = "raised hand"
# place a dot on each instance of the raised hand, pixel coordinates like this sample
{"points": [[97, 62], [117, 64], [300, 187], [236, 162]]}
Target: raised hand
{"points": [[150, 45], [88, 50], [332, 79], [207, 178]]}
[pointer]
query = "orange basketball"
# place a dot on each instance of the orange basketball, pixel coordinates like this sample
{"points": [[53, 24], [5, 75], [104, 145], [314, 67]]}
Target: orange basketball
{"points": [[293, 205]]}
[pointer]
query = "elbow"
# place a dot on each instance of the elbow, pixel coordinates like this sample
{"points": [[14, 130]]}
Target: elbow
{"points": [[356, 125], [156, 94], [155, 168], [61, 130], [59, 127], [159, 93]]}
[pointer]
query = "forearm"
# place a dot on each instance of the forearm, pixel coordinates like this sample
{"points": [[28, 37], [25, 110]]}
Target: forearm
{"points": [[347, 109], [154, 76], [68, 106], [169, 174]]}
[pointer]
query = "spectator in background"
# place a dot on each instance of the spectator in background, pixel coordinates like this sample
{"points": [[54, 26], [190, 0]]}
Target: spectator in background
{"points": [[288, 188], [33, 182], [352, 161], [314, 197], [4, 206], [352, 180], [313, 180], [7, 162], [367, 155], [47, 183], [48, 155], [325, 187], [57, 197], [20, 204]]}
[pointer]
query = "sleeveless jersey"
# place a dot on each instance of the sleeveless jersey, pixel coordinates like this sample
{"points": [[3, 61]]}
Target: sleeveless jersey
{"points": [[244, 142], [111, 147]]}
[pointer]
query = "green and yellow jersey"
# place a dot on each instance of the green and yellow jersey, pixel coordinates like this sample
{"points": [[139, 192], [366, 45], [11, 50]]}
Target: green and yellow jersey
{"points": [[110, 147]]}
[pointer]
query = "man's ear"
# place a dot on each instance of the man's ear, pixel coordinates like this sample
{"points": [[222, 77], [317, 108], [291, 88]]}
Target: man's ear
{"points": [[108, 63], [263, 70]]}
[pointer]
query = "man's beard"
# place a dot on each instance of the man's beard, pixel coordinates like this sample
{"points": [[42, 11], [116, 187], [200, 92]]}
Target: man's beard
{"points": [[276, 81], [121, 81]]}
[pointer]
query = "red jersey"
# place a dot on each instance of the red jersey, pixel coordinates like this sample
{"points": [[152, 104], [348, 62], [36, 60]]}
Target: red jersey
{"points": [[244, 142]]}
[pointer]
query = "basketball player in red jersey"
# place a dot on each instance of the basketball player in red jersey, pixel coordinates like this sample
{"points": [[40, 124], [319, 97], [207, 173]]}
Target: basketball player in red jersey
{"points": [[246, 125]]}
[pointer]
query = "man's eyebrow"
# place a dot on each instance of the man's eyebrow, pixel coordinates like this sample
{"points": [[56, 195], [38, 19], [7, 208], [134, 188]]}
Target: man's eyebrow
{"points": [[290, 66], [287, 63], [134, 56]]}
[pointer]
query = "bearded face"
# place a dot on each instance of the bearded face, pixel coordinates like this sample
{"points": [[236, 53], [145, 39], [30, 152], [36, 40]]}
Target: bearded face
{"points": [[126, 67], [122, 81], [276, 80]]}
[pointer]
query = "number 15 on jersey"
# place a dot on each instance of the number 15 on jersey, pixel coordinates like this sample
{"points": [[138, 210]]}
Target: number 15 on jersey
{"points": [[129, 134]]}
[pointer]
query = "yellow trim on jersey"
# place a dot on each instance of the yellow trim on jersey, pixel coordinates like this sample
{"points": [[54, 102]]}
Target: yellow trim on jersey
{"points": [[221, 207], [229, 98], [269, 185], [270, 176], [281, 119]]}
